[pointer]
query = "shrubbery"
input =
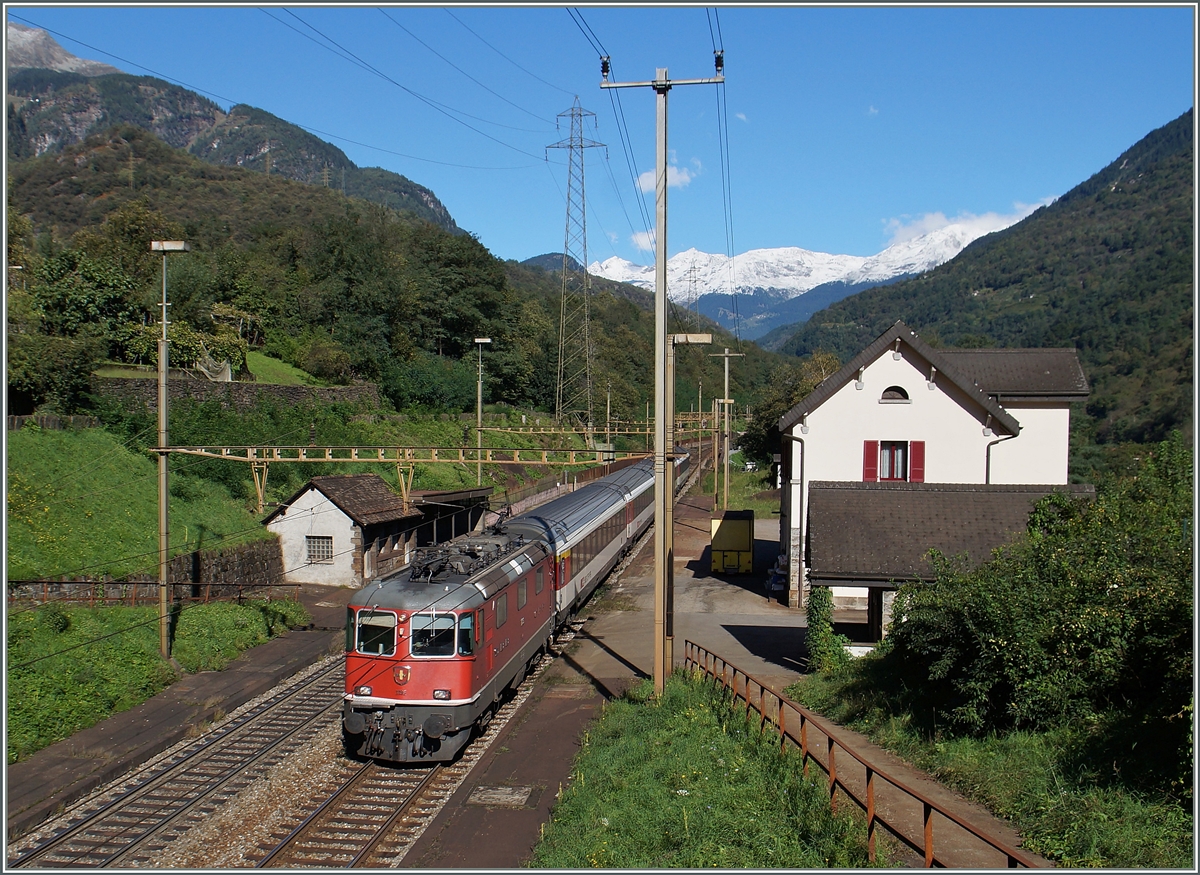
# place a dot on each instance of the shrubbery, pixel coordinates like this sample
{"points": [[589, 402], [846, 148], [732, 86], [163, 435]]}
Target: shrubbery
{"points": [[1086, 620]]}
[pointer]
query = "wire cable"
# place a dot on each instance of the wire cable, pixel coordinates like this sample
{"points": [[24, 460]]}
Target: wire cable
{"points": [[464, 72], [432, 104], [506, 57]]}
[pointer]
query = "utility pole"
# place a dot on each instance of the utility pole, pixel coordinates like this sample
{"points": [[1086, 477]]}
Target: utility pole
{"points": [[663, 537], [726, 402], [164, 541]]}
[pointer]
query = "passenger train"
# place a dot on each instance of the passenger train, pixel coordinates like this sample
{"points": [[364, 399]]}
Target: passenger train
{"points": [[431, 650]]}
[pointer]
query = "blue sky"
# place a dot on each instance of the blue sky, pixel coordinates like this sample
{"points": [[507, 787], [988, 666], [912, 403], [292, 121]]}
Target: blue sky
{"points": [[848, 128]]}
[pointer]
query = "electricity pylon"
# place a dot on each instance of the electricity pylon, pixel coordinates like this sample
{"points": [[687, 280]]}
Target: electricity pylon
{"points": [[573, 393]]}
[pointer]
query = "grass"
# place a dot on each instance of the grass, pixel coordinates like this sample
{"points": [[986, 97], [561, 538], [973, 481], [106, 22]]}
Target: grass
{"points": [[279, 373], [68, 667], [1065, 812], [80, 503], [745, 489], [684, 781]]}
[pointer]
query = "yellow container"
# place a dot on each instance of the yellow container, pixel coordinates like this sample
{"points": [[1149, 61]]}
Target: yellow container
{"points": [[733, 542]]}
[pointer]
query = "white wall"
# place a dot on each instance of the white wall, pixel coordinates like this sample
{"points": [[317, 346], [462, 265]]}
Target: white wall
{"points": [[1039, 455], [313, 514]]}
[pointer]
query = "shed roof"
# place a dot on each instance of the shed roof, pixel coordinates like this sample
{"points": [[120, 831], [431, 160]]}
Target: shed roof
{"points": [[871, 533], [365, 498]]}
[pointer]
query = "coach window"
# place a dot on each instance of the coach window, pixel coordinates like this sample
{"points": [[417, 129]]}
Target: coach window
{"points": [[433, 635], [466, 637], [376, 632]]}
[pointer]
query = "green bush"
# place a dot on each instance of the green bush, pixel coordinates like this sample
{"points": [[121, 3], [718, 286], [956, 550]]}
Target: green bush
{"points": [[71, 667], [826, 651]]}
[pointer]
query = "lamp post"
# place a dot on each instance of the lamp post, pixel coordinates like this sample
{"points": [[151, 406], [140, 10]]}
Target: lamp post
{"points": [[668, 523], [164, 625], [479, 341]]}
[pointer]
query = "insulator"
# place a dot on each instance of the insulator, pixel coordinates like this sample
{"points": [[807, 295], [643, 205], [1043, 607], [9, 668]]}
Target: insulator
{"points": [[720, 60], [604, 68]]}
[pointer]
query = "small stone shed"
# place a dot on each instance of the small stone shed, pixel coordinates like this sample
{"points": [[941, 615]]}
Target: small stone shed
{"points": [[344, 530]]}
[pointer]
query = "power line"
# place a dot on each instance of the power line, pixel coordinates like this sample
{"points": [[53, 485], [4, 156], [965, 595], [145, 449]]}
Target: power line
{"points": [[16, 17], [506, 57], [461, 70], [432, 104]]}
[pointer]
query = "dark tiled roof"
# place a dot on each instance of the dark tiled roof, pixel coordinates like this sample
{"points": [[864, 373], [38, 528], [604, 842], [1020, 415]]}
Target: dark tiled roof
{"points": [[1021, 373], [365, 498], [882, 531], [899, 331]]}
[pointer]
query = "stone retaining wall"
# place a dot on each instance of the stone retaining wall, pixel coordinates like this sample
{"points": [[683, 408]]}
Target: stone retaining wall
{"points": [[239, 396], [252, 569]]}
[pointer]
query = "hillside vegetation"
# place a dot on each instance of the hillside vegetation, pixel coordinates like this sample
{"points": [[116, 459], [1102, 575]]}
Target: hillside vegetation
{"points": [[343, 289], [1107, 268], [49, 111]]}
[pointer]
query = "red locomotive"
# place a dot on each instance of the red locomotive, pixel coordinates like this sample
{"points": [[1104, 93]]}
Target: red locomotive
{"points": [[431, 649]]}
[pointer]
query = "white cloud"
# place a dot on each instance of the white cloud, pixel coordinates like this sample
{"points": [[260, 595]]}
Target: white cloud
{"points": [[677, 177], [740, 115], [643, 240], [907, 227], [872, 111]]}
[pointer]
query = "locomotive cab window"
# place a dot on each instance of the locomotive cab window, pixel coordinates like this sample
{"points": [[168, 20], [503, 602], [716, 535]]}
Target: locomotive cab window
{"points": [[433, 635], [466, 637], [376, 633]]}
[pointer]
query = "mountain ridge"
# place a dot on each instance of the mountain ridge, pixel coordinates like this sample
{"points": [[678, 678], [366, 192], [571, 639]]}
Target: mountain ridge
{"points": [[51, 108]]}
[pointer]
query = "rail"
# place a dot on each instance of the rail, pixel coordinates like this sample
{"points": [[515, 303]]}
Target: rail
{"points": [[787, 714]]}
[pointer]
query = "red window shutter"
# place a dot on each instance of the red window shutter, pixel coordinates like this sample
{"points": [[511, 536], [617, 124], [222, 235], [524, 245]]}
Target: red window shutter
{"points": [[870, 461], [916, 461]]}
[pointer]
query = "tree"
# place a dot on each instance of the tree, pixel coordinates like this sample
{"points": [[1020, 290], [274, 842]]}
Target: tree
{"points": [[787, 387]]}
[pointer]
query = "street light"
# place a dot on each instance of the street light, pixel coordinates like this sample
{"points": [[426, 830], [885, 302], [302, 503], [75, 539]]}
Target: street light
{"points": [[479, 341], [164, 638]]}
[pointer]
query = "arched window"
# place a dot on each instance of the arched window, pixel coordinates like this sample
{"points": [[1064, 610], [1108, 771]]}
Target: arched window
{"points": [[894, 393]]}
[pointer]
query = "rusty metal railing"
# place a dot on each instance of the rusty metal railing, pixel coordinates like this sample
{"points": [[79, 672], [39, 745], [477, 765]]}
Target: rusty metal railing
{"points": [[793, 721]]}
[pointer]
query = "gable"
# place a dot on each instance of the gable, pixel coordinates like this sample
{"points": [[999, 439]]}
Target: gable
{"points": [[902, 342]]}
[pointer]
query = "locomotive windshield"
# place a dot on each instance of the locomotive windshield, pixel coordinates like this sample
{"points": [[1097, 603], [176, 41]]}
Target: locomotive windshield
{"points": [[376, 632], [433, 634]]}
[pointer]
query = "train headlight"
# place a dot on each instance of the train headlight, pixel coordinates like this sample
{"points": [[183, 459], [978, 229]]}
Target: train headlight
{"points": [[441, 694], [362, 691]]}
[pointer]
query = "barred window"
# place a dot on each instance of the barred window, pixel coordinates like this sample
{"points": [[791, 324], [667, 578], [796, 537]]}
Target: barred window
{"points": [[319, 548]]}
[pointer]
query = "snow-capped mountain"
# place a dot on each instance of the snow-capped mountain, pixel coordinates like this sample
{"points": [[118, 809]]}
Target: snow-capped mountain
{"points": [[789, 271]]}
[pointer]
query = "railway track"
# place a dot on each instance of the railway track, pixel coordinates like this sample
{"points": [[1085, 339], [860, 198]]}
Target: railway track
{"points": [[380, 811], [127, 825]]}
